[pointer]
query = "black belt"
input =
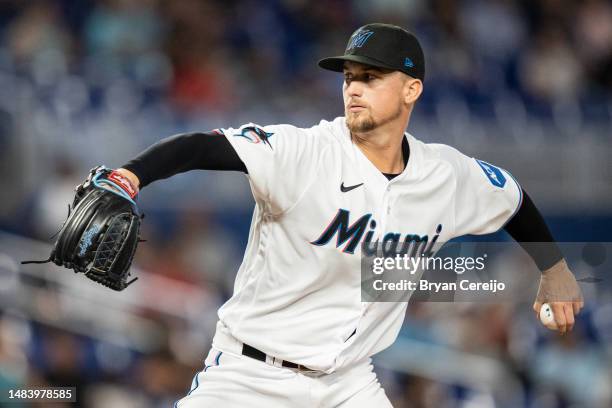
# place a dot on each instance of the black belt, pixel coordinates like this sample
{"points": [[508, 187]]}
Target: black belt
{"points": [[252, 352]]}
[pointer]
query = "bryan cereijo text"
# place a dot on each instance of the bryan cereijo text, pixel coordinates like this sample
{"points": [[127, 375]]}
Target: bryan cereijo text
{"points": [[425, 285]]}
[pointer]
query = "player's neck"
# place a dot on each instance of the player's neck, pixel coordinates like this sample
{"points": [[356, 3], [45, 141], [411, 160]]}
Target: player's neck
{"points": [[383, 147]]}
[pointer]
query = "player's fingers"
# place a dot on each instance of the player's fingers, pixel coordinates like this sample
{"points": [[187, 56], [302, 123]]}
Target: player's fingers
{"points": [[536, 308], [577, 307], [569, 316], [559, 314]]}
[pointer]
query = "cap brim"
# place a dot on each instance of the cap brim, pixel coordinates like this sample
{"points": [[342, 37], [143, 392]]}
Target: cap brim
{"points": [[337, 63]]}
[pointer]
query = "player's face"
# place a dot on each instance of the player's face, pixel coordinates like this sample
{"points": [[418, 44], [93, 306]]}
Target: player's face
{"points": [[371, 96]]}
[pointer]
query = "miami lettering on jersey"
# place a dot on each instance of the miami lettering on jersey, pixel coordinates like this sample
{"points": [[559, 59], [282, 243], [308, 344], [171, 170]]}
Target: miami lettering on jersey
{"points": [[352, 234]]}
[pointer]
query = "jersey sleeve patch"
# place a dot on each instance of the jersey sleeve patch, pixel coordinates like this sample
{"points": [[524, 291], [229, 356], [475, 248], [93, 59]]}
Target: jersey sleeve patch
{"points": [[494, 174], [254, 134]]}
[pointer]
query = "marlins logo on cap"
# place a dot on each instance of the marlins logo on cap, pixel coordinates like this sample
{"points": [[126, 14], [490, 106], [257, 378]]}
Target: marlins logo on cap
{"points": [[359, 38], [384, 46]]}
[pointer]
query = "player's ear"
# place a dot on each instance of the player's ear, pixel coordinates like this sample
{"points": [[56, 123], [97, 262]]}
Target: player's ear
{"points": [[412, 90]]}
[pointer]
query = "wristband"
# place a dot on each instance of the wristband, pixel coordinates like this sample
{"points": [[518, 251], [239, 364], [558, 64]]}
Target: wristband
{"points": [[123, 182]]}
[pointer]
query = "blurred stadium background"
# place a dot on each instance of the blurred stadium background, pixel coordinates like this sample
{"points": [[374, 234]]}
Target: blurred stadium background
{"points": [[524, 84]]}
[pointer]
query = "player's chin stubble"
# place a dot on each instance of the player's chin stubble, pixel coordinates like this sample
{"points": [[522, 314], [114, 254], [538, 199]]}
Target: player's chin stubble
{"points": [[360, 123], [363, 121]]}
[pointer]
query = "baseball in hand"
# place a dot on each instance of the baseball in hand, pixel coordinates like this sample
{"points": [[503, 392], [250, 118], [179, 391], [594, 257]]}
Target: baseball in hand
{"points": [[547, 316]]}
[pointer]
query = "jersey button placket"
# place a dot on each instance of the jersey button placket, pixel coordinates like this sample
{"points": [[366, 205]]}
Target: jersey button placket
{"points": [[384, 210]]}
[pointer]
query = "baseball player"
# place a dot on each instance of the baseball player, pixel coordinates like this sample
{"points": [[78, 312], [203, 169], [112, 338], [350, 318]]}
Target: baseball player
{"points": [[295, 333]]}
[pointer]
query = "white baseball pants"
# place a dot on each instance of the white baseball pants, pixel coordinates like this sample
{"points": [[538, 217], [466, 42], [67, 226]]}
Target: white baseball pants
{"points": [[231, 380]]}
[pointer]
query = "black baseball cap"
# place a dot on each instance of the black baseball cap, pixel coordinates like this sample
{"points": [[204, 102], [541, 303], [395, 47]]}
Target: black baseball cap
{"points": [[384, 46]]}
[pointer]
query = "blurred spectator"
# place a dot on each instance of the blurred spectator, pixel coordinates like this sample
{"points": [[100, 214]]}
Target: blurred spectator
{"points": [[161, 378], [13, 360], [39, 28], [124, 38], [581, 372], [63, 362], [209, 252], [593, 30], [495, 28], [549, 69], [201, 62], [51, 204], [123, 29]]}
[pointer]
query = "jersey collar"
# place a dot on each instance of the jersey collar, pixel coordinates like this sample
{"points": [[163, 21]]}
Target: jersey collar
{"points": [[410, 169]]}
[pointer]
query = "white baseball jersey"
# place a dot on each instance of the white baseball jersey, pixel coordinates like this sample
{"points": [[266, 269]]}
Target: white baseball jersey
{"points": [[319, 202]]}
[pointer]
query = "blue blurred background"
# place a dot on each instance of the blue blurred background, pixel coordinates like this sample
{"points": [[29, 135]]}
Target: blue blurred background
{"points": [[526, 85]]}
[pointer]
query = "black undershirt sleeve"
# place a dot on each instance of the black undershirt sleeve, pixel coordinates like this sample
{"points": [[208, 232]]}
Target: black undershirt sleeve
{"points": [[528, 228], [184, 152]]}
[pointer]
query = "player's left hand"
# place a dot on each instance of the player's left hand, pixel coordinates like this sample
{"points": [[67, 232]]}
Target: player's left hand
{"points": [[558, 287]]}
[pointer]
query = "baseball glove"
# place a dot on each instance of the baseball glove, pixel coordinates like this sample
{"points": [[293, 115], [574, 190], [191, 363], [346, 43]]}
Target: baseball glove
{"points": [[100, 235]]}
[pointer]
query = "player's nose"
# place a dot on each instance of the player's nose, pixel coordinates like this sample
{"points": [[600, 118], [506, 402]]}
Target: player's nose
{"points": [[354, 88]]}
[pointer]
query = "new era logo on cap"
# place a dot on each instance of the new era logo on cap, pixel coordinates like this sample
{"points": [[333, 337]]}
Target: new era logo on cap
{"points": [[408, 62]]}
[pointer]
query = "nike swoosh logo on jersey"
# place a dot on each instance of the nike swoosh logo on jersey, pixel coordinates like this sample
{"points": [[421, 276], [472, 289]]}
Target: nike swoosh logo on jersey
{"points": [[349, 188]]}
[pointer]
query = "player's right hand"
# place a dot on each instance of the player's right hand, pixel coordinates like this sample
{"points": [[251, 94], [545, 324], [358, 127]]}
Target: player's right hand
{"points": [[558, 287]]}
